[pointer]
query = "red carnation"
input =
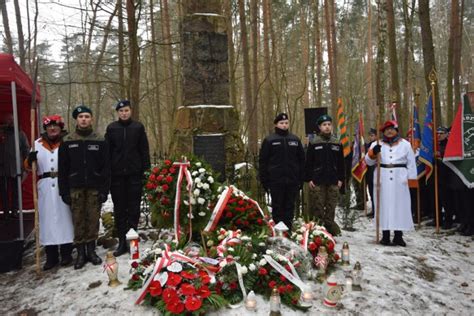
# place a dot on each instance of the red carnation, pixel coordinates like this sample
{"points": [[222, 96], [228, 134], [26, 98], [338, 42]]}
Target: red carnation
{"points": [[241, 202], [289, 287], [175, 306], [149, 185], [330, 246], [246, 223], [164, 171], [188, 275], [135, 277], [165, 187], [159, 178], [205, 278], [318, 241], [336, 257], [229, 215], [204, 291], [233, 285], [312, 246], [259, 221], [134, 264], [172, 170], [192, 303], [173, 279], [187, 289], [281, 289], [156, 170], [168, 162], [152, 177], [262, 271], [155, 288], [169, 294], [238, 222], [169, 179], [282, 278], [272, 284]]}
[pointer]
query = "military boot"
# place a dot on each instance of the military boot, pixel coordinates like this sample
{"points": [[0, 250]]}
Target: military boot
{"points": [[91, 256], [398, 239], [66, 254], [385, 238], [122, 247], [52, 257], [81, 256]]}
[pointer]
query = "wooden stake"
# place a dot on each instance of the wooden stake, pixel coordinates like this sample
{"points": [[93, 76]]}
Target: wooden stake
{"points": [[377, 183], [432, 76]]}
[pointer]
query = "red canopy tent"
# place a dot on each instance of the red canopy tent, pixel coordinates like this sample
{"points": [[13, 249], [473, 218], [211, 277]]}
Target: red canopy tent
{"points": [[17, 87]]}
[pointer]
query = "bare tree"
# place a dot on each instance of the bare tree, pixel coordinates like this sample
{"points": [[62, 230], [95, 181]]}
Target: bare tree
{"points": [[21, 38], [267, 84], [254, 12], [380, 67], [121, 47], [318, 59], [230, 43], [134, 52], [6, 27]]}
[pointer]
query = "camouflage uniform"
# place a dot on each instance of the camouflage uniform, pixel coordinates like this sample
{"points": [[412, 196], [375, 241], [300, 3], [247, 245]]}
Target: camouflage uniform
{"points": [[325, 167]]}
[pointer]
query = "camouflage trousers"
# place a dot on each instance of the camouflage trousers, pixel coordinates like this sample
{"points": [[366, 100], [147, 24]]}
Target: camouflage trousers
{"points": [[323, 201], [85, 208]]}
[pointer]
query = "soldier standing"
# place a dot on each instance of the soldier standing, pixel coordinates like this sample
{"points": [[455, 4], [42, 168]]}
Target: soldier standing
{"points": [[84, 181], [281, 163], [129, 158], [55, 219], [324, 171]]}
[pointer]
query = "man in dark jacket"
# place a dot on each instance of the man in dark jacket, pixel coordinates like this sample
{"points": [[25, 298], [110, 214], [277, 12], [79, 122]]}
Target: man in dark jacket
{"points": [[130, 157], [324, 171], [281, 164], [84, 181], [369, 175]]}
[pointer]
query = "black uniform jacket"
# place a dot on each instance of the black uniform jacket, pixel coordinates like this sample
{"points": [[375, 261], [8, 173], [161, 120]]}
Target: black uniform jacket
{"points": [[128, 145], [324, 161], [281, 160], [84, 163]]}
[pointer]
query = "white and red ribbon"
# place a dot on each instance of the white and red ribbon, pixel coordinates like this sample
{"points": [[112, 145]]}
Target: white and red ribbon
{"points": [[293, 278], [183, 172], [219, 209]]}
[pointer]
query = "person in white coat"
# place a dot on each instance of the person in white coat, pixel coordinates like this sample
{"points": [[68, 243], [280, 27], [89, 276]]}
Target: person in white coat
{"points": [[397, 174], [55, 220]]}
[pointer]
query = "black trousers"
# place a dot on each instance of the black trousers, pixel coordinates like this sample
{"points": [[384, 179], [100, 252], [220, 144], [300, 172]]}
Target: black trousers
{"points": [[283, 203], [126, 194]]}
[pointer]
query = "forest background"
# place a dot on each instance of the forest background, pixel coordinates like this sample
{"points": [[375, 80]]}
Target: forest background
{"points": [[284, 56]]}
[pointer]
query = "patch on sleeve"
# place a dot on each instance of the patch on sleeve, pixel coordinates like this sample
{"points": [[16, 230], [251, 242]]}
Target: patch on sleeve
{"points": [[276, 143], [318, 147], [73, 145], [292, 143], [335, 148], [93, 147]]}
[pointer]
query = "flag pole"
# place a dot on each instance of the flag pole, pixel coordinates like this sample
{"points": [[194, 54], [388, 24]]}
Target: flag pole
{"points": [[418, 202], [377, 185], [432, 77]]}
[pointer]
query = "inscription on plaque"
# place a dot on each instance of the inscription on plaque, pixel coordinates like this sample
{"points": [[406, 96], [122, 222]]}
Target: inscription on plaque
{"points": [[211, 148]]}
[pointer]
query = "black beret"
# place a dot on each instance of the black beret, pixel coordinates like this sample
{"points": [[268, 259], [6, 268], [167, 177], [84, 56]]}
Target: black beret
{"points": [[81, 109], [323, 118], [280, 117], [122, 104], [442, 129]]}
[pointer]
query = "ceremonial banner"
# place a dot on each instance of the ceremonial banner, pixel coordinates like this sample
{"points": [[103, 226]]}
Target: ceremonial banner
{"points": [[359, 166], [341, 126], [426, 150], [459, 154]]}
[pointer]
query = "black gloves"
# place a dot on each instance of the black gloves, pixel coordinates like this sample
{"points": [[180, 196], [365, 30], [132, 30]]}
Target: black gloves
{"points": [[102, 198], [32, 156], [66, 199], [376, 149]]}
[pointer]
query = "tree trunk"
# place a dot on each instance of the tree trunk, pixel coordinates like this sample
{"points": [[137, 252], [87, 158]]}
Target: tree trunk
{"points": [[331, 56], [428, 50], [393, 59], [319, 54], [457, 55], [267, 84], [254, 123], [120, 49], [134, 51], [370, 85], [379, 74], [156, 79], [305, 56], [230, 44], [21, 39], [250, 109], [407, 53], [85, 60], [6, 27], [166, 31]]}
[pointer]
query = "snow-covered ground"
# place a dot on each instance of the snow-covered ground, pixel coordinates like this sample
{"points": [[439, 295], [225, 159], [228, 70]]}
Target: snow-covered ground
{"points": [[434, 274]]}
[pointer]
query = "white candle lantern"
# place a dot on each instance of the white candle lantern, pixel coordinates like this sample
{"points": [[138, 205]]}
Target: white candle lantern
{"points": [[332, 292], [111, 267], [349, 283], [345, 254], [275, 303], [280, 229], [251, 301], [133, 237], [357, 277]]}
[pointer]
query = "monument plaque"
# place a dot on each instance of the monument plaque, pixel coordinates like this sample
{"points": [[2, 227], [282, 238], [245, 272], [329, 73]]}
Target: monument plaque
{"points": [[211, 148]]}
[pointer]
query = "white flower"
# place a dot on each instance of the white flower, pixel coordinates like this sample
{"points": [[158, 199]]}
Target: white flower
{"points": [[158, 251], [299, 238], [230, 249], [197, 180], [262, 262], [195, 173], [219, 189], [201, 201], [261, 244], [186, 202], [252, 267], [220, 237], [244, 270], [193, 201], [210, 179], [254, 255], [202, 170], [205, 186], [245, 238], [199, 185], [198, 164], [223, 263], [202, 214], [210, 243], [269, 252], [281, 258], [196, 192]]}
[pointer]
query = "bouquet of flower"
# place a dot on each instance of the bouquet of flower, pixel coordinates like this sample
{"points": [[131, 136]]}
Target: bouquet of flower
{"points": [[272, 274], [311, 237], [234, 210], [163, 181]]}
